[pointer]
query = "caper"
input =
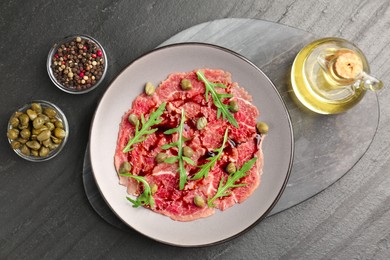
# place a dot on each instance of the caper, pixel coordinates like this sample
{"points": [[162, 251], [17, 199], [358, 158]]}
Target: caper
{"points": [[154, 188], [36, 107], [199, 201], [56, 140], [25, 133], [231, 168], [50, 126], [14, 122], [23, 118], [201, 123], [125, 168], [44, 151], [18, 114], [44, 117], [53, 146], [59, 133], [149, 89], [133, 119], [38, 122], [51, 113], [185, 84], [44, 135], [15, 144], [22, 140], [33, 137], [262, 127], [33, 145], [13, 134], [233, 106], [188, 152], [160, 157], [47, 142], [59, 124], [25, 150], [34, 153], [31, 114]]}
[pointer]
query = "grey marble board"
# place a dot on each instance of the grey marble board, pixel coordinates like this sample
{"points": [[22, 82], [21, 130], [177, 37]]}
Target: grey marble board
{"points": [[326, 146]]}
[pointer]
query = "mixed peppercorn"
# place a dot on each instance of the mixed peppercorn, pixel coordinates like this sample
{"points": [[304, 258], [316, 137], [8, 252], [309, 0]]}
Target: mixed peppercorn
{"points": [[78, 64]]}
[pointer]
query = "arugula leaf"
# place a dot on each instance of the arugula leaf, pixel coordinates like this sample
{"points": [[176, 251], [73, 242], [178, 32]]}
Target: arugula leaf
{"points": [[141, 134], [223, 187], [221, 107], [205, 168], [146, 197], [180, 157]]}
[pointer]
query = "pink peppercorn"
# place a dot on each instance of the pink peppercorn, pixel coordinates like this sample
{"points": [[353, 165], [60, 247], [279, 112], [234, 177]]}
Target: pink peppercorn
{"points": [[93, 55], [81, 74], [99, 53]]}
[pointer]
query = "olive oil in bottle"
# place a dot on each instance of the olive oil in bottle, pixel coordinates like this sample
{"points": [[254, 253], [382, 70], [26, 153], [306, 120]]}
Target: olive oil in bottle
{"points": [[331, 75]]}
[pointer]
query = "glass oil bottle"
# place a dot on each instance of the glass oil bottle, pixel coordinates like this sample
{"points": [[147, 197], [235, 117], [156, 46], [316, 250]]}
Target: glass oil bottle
{"points": [[331, 75]]}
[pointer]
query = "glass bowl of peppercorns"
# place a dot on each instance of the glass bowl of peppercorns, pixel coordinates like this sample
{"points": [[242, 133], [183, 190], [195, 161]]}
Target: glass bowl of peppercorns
{"points": [[37, 131], [77, 64]]}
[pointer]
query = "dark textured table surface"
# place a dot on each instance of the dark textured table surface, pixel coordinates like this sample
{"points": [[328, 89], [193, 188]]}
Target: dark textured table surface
{"points": [[44, 211]]}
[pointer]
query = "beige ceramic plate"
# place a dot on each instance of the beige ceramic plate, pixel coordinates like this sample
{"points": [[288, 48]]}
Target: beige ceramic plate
{"points": [[155, 67]]}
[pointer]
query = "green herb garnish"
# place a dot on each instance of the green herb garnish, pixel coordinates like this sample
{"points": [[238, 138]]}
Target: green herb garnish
{"points": [[223, 187], [141, 134], [146, 197], [180, 157], [205, 168], [217, 98]]}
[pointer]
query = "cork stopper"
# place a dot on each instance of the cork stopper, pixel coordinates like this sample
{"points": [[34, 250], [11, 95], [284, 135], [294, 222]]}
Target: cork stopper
{"points": [[348, 64]]}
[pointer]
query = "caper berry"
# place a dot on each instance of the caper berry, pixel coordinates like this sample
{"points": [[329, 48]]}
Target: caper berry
{"points": [[201, 123], [188, 152], [262, 127], [185, 84], [125, 168], [199, 201], [233, 106], [13, 134], [160, 157], [36, 107], [149, 89], [14, 122], [59, 133], [33, 145], [51, 113], [133, 119], [25, 133], [231, 168], [31, 114]]}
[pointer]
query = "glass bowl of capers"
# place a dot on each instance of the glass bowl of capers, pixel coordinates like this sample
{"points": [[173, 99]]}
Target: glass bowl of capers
{"points": [[77, 64], [38, 131]]}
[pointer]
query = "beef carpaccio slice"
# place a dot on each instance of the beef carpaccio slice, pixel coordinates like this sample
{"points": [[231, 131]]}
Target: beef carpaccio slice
{"points": [[243, 144]]}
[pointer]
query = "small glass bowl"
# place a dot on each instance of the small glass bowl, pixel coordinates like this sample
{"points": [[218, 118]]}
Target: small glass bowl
{"points": [[50, 62], [60, 115]]}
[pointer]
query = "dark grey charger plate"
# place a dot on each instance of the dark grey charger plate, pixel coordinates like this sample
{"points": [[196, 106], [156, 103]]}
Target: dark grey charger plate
{"points": [[326, 147]]}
